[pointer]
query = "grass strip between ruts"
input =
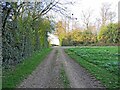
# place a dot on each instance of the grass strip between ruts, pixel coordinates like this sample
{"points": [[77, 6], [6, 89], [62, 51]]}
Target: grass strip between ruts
{"points": [[64, 78]]}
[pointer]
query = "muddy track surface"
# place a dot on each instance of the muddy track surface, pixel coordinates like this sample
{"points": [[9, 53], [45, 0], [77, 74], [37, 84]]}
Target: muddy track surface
{"points": [[48, 73]]}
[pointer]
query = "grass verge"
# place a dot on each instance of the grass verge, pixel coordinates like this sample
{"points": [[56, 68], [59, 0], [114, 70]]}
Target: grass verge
{"points": [[13, 78], [86, 58], [64, 78]]}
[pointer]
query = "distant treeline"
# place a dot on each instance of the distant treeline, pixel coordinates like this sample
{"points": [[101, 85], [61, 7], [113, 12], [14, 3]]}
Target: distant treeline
{"points": [[108, 35], [102, 30]]}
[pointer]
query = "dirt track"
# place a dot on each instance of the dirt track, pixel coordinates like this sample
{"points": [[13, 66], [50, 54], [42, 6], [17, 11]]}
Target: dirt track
{"points": [[47, 74]]}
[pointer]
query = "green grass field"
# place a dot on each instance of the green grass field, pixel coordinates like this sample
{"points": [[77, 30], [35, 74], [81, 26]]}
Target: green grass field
{"points": [[101, 61], [13, 78]]}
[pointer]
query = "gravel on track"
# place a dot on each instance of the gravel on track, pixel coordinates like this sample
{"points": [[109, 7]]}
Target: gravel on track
{"points": [[47, 74]]}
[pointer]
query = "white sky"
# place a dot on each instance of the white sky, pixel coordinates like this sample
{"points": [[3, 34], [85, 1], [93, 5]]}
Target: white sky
{"points": [[53, 39], [86, 5], [94, 5]]}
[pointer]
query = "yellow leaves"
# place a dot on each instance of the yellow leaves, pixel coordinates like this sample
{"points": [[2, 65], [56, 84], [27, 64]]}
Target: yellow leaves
{"points": [[60, 30]]}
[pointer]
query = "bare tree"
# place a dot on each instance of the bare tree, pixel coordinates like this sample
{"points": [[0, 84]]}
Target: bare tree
{"points": [[46, 6], [97, 24], [105, 12], [86, 18], [112, 16]]}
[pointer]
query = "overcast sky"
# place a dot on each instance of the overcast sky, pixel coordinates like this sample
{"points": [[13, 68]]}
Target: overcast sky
{"points": [[85, 5], [94, 5]]}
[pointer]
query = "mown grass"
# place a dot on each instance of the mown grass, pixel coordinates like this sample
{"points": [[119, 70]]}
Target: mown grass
{"points": [[13, 78], [100, 61]]}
